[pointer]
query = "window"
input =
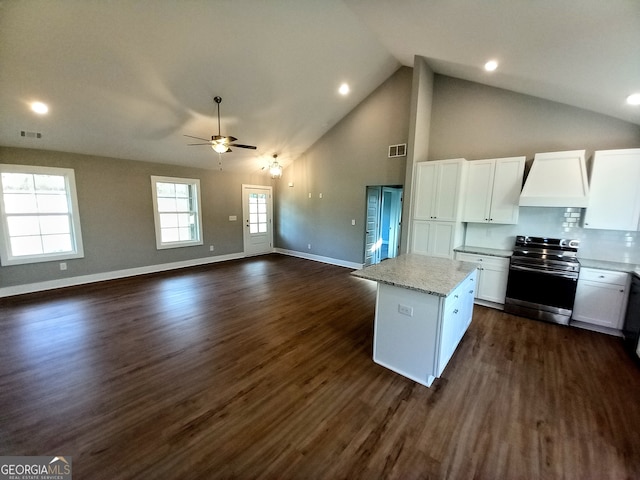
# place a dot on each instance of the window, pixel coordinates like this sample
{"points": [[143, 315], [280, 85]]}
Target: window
{"points": [[176, 208], [40, 220]]}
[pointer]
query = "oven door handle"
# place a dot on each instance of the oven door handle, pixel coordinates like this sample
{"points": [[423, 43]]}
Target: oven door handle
{"points": [[555, 273]]}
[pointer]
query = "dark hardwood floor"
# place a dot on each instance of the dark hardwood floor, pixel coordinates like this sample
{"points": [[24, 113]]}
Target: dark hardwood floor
{"points": [[261, 368]]}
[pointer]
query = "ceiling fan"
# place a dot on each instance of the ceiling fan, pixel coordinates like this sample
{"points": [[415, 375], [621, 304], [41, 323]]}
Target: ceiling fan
{"points": [[218, 142]]}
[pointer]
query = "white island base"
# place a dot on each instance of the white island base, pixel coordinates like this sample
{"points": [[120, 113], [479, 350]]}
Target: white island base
{"points": [[416, 333], [424, 306]]}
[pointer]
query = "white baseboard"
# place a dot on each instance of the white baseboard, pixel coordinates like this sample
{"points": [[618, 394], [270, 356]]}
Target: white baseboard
{"points": [[100, 277], [319, 258]]}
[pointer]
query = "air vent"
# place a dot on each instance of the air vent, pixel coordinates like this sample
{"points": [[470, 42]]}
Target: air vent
{"points": [[26, 134], [399, 150]]}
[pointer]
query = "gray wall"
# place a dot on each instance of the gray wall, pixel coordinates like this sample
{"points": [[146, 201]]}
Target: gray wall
{"points": [[475, 121], [467, 120], [352, 155], [116, 214], [419, 130], [464, 119]]}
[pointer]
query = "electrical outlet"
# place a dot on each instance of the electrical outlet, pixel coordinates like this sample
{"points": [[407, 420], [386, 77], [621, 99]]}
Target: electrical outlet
{"points": [[309, 246], [405, 310], [63, 265], [211, 248], [353, 222]]}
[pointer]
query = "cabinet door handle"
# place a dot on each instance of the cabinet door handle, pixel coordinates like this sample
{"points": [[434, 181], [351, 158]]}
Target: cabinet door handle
{"points": [[455, 311], [455, 296], [470, 291]]}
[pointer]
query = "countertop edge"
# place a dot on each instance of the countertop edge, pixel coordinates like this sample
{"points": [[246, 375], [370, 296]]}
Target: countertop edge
{"points": [[408, 272], [492, 252]]}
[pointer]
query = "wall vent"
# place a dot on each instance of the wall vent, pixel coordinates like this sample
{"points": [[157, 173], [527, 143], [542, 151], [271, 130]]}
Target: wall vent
{"points": [[399, 150], [27, 134]]}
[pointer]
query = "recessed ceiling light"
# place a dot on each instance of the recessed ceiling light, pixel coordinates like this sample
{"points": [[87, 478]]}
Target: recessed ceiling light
{"points": [[634, 99], [39, 107], [344, 89], [491, 65]]}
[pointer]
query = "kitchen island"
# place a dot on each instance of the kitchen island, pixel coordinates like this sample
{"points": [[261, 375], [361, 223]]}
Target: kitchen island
{"points": [[424, 306]]}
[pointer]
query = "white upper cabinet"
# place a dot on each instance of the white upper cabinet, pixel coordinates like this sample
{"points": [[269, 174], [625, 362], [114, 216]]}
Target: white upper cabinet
{"points": [[614, 200], [492, 190], [438, 190]]}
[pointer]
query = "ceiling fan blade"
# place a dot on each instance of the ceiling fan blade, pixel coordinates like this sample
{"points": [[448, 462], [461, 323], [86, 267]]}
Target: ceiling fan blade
{"points": [[243, 146], [192, 144], [191, 136]]}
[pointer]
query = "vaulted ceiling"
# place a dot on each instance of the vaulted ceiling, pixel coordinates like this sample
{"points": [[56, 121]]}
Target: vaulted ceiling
{"points": [[128, 79]]}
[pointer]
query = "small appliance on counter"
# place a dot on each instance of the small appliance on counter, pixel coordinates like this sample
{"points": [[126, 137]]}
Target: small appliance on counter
{"points": [[543, 277]]}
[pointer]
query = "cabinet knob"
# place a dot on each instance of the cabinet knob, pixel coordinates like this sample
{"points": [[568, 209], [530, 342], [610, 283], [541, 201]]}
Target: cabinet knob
{"points": [[455, 296], [601, 276], [455, 311], [470, 291]]}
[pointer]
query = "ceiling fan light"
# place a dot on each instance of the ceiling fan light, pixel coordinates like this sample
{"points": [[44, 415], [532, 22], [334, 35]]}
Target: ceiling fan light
{"points": [[220, 147]]}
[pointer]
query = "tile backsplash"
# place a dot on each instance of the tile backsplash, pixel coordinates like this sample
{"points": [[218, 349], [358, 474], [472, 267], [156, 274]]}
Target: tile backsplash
{"points": [[610, 245]]}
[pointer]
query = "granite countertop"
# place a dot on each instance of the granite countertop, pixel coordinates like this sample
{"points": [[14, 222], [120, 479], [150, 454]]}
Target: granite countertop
{"points": [[493, 252], [608, 265], [432, 275]]}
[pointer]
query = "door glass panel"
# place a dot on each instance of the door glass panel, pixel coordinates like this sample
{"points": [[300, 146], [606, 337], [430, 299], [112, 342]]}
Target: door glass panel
{"points": [[258, 213]]}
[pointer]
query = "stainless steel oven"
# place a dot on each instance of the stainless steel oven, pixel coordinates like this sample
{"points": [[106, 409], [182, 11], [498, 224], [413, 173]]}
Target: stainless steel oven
{"points": [[543, 276]]}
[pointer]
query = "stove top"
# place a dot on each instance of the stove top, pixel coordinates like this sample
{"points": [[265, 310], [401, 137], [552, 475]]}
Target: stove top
{"points": [[548, 253], [560, 248]]}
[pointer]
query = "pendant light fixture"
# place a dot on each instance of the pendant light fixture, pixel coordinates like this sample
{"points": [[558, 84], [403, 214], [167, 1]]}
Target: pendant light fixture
{"points": [[275, 169]]}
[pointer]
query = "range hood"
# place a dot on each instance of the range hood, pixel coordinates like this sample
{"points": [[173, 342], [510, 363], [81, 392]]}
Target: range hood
{"points": [[557, 179]]}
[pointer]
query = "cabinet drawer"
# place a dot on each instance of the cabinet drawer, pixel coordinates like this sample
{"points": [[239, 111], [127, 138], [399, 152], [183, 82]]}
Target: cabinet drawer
{"points": [[457, 298], [488, 260], [604, 276]]}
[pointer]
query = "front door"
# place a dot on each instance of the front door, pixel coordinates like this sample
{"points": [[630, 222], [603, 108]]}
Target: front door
{"points": [[257, 206]]}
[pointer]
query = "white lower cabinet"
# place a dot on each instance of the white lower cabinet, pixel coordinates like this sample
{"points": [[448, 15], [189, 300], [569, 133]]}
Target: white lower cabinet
{"points": [[458, 311], [493, 273], [601, 297], [437, 239], [416, 333]]}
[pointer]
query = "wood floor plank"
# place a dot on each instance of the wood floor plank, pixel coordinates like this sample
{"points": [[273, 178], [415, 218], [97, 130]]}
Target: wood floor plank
{"points": [[261, 368]]}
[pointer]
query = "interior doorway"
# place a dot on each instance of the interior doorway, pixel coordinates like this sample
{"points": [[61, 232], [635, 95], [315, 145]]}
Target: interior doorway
{"points": [[383, 223]]}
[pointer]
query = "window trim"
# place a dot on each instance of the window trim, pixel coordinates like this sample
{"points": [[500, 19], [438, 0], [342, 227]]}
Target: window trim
{"points": [[155, 179], [6, 256]]}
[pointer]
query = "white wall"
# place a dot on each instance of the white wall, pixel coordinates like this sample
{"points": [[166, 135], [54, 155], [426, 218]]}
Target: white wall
{"points": [[615, 246]]}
